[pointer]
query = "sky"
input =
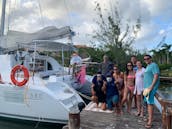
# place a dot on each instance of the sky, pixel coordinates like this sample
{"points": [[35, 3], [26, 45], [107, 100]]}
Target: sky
{"points": [[32, 15]]}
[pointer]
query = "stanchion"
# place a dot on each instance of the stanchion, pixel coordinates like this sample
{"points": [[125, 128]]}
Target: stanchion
{"points": [[74, 119]]}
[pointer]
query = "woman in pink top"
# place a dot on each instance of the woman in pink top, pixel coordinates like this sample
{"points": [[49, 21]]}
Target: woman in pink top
{"points": [[129, 82], [139, 88]]}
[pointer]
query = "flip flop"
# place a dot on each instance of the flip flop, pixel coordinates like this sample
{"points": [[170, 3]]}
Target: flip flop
{"points": [[145, 119], [137, 114], [148, 126]]}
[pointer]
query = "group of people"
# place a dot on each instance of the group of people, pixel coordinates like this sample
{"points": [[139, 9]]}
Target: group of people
{"points": [[136, 86]]}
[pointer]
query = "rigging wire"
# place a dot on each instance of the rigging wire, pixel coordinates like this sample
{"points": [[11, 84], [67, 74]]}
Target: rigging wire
{"points": [[11, 8], [41, 13], [9, 14], [69, 21], [68, 14]]}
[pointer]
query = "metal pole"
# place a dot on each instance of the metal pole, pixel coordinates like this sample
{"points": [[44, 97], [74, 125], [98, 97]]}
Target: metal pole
{"points": [[3, 17], [63, 61]]}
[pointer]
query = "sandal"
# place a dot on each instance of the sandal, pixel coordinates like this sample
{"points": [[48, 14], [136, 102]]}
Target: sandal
{"points": [[148, 126], [141, 116], [145, 119], [137, 114]]}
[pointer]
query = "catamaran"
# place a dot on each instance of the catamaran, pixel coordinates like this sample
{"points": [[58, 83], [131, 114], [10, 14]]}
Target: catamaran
{"points": [[35, 86]]}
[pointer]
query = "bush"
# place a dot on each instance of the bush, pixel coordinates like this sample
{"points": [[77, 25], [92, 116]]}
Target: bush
{"points": [[165, 66]]}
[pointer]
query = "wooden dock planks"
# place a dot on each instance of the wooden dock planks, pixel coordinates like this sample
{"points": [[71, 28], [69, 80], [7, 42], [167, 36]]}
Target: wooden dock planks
{"points": [[102, 120], [94, 118]]}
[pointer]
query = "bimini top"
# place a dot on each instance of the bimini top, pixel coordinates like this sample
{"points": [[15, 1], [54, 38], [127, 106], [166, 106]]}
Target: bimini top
{"points": [[14, 38], [48, 45]]}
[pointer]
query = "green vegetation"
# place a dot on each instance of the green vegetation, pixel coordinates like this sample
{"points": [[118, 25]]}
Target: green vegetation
{"points": [[115, 36], [166, 70], [166, 73]]}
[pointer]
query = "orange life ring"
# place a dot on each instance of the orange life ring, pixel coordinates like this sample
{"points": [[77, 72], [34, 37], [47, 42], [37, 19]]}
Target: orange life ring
{"points": [[26, 75]]}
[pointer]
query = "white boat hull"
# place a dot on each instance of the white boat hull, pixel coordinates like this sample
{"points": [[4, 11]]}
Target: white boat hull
{"points": [[34, 104], [46, 100]]}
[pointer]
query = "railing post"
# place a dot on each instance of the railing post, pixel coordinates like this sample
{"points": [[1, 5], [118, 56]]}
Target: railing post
{"points": [[74, 119], [163, 116], [169, 117]]}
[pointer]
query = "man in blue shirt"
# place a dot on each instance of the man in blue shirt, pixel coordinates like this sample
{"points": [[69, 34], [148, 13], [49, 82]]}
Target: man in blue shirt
{"points": [[151, 83], [112, 95]]}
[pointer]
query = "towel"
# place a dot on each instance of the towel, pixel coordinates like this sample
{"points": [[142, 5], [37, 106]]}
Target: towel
{"points": [[146, 93]]}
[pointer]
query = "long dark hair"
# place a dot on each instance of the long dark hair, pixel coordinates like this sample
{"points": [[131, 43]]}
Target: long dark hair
{"points": [[127, 71]]}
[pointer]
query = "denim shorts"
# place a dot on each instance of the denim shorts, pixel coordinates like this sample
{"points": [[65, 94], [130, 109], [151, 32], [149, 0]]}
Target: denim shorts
{"points": [[112, 100]]}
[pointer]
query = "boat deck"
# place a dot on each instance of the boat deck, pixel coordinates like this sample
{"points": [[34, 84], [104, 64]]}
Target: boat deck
{"points": [[94, 118]]}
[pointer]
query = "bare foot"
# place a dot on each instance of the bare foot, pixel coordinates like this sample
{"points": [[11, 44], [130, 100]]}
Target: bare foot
{"points": [[141, 114]]}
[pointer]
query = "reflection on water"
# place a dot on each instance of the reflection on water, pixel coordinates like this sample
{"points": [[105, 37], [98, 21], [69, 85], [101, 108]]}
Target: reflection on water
{"points": [[165, 91], [17, 124]]}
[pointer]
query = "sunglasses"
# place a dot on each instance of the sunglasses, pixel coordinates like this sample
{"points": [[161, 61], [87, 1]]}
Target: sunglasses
{"points": [[146, 58], [98, 75]]}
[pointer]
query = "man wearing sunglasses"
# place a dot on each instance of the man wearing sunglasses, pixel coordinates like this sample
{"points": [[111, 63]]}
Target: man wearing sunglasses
{"points": [[151, 83]]}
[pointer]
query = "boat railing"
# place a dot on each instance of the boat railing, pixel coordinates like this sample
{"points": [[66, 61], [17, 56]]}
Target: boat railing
{"points": [[90, 67], [166, 111], [166, 79]]}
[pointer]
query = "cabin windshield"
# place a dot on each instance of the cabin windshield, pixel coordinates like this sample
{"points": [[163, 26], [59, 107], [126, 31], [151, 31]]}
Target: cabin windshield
{"points": [[37, 65]]}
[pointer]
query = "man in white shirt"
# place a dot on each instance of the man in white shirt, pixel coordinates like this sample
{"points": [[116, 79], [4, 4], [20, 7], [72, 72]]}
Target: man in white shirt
{"points": [[76, 59]]}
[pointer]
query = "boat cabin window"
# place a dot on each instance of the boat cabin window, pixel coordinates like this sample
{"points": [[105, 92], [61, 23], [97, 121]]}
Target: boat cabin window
{"points": [[38, 65], [49, 66]]}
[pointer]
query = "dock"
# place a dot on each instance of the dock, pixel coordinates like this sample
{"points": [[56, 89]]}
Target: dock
{"points": [[95, 118]]}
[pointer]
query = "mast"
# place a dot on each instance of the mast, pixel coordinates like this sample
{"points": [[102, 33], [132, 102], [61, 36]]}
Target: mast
{"points": [[3, 17]]}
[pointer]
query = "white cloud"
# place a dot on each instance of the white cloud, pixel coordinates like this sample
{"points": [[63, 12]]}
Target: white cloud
{"points": [[155, 15]]}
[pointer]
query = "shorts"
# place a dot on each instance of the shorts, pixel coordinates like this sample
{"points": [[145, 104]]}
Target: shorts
{"points": [[112, 100], [150, 99], [101, 97]]}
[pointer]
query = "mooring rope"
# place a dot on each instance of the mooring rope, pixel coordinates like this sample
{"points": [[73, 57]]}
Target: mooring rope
{"points": [[84, 96]]}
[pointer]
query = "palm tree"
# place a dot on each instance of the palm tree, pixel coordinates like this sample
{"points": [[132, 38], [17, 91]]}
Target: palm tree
{"points": [[166, 49], [156, 56]]}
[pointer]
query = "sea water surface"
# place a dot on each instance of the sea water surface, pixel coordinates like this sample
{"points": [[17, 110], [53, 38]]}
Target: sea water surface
{"points": [[6, 123], [165, 90]]}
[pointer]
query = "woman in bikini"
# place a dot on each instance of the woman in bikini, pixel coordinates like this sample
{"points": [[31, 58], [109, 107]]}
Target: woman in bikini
{"points": [[129, 83]]}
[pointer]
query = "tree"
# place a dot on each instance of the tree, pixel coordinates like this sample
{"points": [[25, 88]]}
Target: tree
{"points": [[115, 35], [162, 56], [166, 49]]}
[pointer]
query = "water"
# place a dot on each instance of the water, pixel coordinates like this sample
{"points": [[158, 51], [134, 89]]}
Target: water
{"points": [[165, 91], [17, 124]]}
